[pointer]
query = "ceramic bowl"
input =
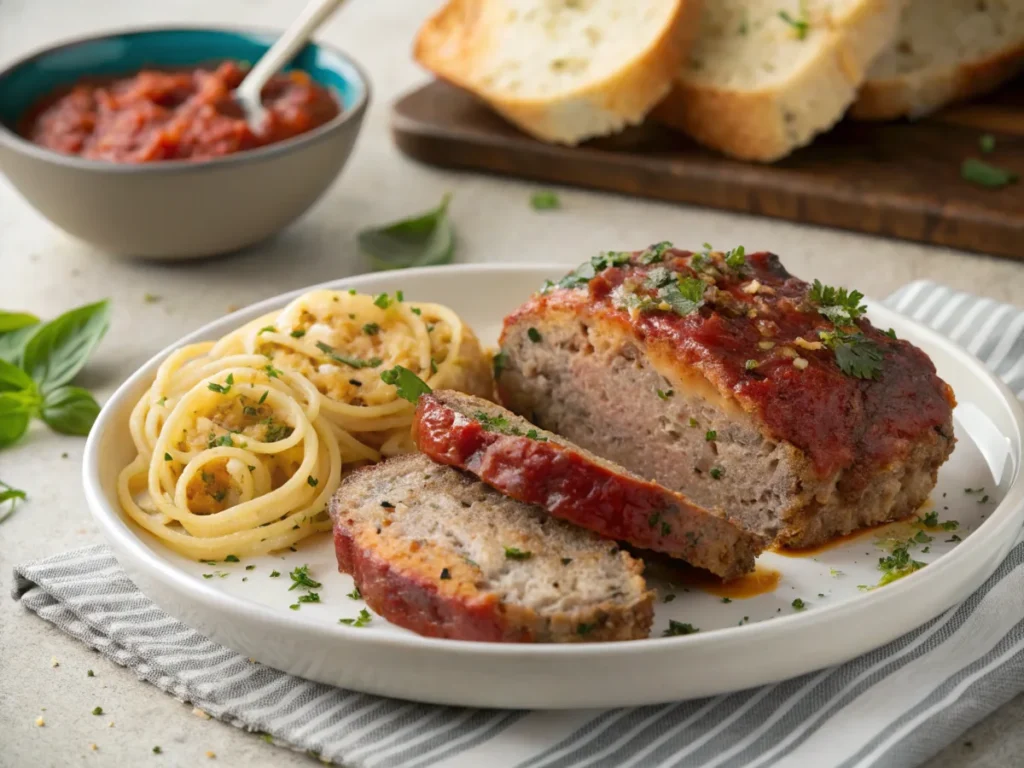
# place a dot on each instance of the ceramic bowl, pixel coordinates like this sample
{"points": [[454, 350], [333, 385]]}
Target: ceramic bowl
{"points": [[175, 209]]}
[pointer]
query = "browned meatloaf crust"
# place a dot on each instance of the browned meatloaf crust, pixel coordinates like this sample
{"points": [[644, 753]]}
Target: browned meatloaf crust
{"points": [[436, 551], [538, 467], [727, 390]]}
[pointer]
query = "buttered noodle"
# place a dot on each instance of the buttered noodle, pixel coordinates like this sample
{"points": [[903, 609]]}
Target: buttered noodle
{"points": [[241, 442]]}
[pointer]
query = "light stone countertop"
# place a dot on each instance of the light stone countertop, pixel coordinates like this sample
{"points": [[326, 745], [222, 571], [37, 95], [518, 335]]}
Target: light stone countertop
{"points": [[46, 272]]}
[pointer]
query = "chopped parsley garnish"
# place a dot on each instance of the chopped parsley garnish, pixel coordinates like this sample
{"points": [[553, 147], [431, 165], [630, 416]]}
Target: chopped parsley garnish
{"points": [[231, 559], [168, 457], [834, 573], [750, 365], [922, 538], [856, 354], [983, 499], [354, 362], [90, 673], [162, 401], [985, 174], [409, 385], [693, 422], [710, 435], [666, 394], [263, 397], [213, 441], [534, 435], [566, 560], [801, 26], [685, 296], [222, 389], [668, 598], [387, 505], [585, 272], [371, 329], [499, 362], [355, 594], [274, 574], [840, 306], [250, 567], [97, 710], [514, 553], [974, 490], [726, 599], [266, 329], [445, 574], [716, 472], [798, 604], [950, 525], [157, 751], [891, 334], [953, 539], [897, 565], [272, 372], [300, 578], [297, 333], [363, 619], [295, 606], [312, 597], [534, 335], [655, 253], [544, 201], [931, 519], [416, 310], [679, 628], [384, 301], [584, 629], [312, 481], [433, 365], [736, 258]]}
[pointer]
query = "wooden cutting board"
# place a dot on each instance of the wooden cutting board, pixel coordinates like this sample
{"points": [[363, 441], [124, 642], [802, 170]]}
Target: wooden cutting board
{"points": [[897, 179]]}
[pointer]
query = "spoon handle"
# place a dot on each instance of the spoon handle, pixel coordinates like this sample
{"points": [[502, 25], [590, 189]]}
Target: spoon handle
{"points": [[286, 46]]}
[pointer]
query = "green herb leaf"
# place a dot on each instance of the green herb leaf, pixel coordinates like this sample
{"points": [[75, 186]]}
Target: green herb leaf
{"points": [[354, 362], [301, 578], [363, 619], [585, 272], [371, 329], [514, 553], [987, 142], [736, 258], [409, 385], [856, 354], [222, 388], [420, 241], [986, 175], [655, 253], [15, 413], [800, 26], [70, 410], [9, 497], [13, 379], [499, 362], [58, 350], [545, 201], [799, 605], [839, 305], [12, 343], [14, 321], [534, 335], [679, 628], [685, 296], [355, 594]]}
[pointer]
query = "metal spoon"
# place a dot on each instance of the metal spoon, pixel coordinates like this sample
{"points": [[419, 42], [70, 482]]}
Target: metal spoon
{"points": [[280, 53]]}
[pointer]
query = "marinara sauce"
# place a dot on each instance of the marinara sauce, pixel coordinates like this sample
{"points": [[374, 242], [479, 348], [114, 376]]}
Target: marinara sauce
{"points": [[174, 115]]}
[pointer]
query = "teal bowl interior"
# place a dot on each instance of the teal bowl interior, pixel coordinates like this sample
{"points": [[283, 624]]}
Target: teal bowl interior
{"points": [[31, 79]]}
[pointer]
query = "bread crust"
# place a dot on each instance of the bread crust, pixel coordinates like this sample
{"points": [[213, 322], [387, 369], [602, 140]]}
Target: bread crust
{"points": [[452, 40], [569, 484], [921, 93], [402, 580], [766, 125]]}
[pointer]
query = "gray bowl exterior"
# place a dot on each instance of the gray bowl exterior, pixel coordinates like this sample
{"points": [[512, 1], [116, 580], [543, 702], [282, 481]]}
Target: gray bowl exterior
{"points": [[187, 210]]}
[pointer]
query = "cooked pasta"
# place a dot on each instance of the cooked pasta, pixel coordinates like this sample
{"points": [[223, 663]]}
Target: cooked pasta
{"points": [[241, 442]]}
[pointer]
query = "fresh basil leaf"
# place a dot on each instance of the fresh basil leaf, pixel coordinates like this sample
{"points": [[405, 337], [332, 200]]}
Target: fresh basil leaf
{"points": [[71, 410], [12, 321], [13, 379], [15, 413], [12, 343], [420, 241], [12, 495], [59, 349]]}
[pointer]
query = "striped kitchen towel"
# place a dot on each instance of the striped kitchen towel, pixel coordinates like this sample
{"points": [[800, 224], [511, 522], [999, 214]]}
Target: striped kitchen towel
{"points": [[893, 707]]}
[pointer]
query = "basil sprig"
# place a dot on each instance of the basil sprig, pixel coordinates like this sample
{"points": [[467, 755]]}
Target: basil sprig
{"points": [[38, 362], [418, 241]]}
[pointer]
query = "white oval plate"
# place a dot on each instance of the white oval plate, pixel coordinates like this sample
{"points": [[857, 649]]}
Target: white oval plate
{"points": [[741, 644]]}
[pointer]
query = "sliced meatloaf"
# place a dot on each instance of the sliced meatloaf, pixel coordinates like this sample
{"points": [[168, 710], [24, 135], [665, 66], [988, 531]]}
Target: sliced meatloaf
{"points": [[434, 550], [724, 377], [529, 464]]}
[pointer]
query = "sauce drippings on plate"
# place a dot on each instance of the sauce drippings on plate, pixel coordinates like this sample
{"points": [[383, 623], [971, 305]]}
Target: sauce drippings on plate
{"points": [[157, 115]]}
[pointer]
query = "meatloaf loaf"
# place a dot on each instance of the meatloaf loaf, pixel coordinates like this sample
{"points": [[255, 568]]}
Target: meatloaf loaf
{"points": [[724, 377], [436, 551], [510, 454]]}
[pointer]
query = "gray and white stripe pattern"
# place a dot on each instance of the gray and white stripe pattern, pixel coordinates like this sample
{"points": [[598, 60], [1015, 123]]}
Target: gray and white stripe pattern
{"points": [[908, 699]]}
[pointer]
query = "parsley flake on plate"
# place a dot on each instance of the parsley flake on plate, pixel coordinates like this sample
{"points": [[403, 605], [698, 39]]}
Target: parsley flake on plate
{"points": [[362, 620], [679, 628]]}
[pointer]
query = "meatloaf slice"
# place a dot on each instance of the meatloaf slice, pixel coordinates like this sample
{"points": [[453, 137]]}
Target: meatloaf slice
{"points": [[529, 464], [434, 550], [727, 379]]}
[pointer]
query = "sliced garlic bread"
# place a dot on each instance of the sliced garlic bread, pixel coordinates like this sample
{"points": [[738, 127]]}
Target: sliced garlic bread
{"points": [[561, 70], [944, 52], [764, 78]]}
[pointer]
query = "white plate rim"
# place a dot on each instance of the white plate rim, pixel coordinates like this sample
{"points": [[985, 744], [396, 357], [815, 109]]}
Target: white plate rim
{"points": [[1003, 523]]}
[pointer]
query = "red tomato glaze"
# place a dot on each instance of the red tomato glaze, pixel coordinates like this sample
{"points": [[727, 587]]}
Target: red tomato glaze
{"points": [[174, 115]]}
